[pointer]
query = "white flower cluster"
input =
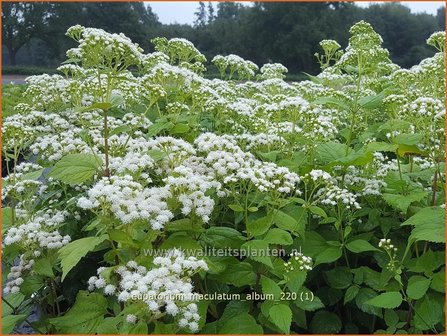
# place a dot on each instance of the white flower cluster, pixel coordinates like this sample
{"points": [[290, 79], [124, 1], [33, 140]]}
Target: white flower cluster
{"points": [[99, 48], [40, 231], [167, 286], [299, 262], [235, 64], [128, 201], [273, 70], [333, 195], [386, 245], [14, 278]]}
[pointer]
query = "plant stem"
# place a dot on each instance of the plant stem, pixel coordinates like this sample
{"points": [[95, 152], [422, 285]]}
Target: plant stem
{"points": [[106, 145]]}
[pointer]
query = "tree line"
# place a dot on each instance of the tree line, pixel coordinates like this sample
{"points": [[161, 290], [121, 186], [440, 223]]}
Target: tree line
{"points": [[285, 32]]}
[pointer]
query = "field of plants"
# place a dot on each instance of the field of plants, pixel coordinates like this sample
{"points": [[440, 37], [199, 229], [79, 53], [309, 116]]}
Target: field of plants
{"points": [[142, 198]]}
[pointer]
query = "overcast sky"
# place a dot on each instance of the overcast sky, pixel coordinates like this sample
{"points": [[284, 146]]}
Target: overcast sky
{"points": [[183, 12]]}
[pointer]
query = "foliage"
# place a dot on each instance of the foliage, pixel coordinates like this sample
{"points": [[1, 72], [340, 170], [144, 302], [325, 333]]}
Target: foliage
{"points": [[165, 202]]}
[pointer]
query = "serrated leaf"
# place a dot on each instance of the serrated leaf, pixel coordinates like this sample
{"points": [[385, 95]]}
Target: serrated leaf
{"points": [[417, 286], [402, 202], [84, 317], [239, 275], [325, 323], [260, 225], [43, 267], [270, 287], [278, 236], [359, 246], [223, 237], [179, 129], [328, 255], [71, 254], [10, 321], [281, 316], [381, 147], [241, 324], [339, 277], [75, 168], [372, 102], [258, 250], [386, 300], [351, 293]]}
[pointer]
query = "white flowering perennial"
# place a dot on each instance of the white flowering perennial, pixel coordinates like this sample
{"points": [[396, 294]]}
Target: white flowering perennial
{"points": [[128, 201], [165, 287], [298, 262], [129, 152], [39, 232]]}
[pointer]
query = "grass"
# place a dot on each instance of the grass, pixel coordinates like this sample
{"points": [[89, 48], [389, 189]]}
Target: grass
{"points": [[11, 96]]}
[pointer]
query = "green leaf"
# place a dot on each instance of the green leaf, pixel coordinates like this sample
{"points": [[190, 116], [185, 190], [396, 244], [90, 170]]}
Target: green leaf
{"points": [[181, 240], [121, 237], [408, 139], [317, 211], [363, 296], [330, 254], [116, 100], [438, 281], [184, 224], [403, 150], [71, 254], [281, 316], [84, 317], [296, 279], [339, 277], [179, 129], [402, 202], [109, 325], [391, 318], [291, 218], [31, 284], [417, 286], [427, 216], [278, 236], [372, 102], [75, 168], [331, 101], [96, 106], [223, 237], [325, 323], [433, 232], [10, 321], [258, 250], [241, 324], [359, 246], [270, 287], [236, 207], [156, 154], [331, 151], [6, 218], [43, 267], [120, 129], [161, 328], [386, 300], [158, 127], [351, 293], [428, 313], [239, 275], [260, 225], [381, 147]]}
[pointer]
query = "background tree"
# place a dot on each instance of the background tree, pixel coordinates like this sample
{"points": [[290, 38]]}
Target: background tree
{"points": [[22, 21], [200, 14], [284, 32]]}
